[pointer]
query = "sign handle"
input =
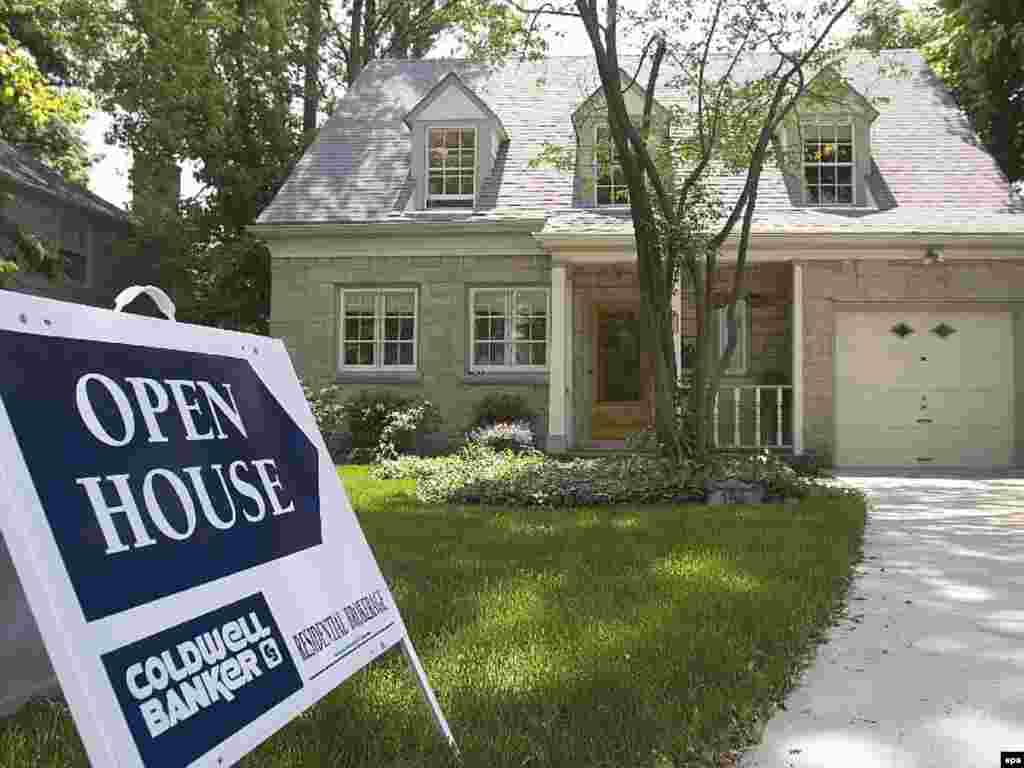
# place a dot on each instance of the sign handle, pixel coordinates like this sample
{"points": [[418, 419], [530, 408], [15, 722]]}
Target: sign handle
{"points": [[161, 299], [428, 694]]}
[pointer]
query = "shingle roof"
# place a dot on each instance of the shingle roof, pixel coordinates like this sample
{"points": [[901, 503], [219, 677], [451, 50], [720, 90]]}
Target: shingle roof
{"points": [[929, 167], [24, 170]]}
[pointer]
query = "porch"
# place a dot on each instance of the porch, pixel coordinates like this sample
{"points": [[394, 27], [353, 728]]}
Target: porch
{"points": [[603, 390]]}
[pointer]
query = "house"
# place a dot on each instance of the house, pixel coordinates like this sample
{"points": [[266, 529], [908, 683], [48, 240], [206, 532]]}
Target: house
{"points": [[414, 247], [83, 226]]}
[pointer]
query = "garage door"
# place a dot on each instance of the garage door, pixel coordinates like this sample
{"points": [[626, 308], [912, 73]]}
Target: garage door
{"points": [[924, 388]]}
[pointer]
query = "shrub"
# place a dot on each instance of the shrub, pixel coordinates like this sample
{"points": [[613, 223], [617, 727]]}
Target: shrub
{"points": [[382, 424], [367, 414], [481, 475], [515, 436], [502, 408], [401, 424], [328, 410], [647, 439]]}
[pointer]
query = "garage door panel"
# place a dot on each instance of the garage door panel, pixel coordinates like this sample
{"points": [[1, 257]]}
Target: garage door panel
{"points": [[940, 394], [971, 446], [870, 445], [975, 407]]}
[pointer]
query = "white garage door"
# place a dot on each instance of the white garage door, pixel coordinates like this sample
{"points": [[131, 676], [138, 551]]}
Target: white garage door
{"points": [[924, 388]]}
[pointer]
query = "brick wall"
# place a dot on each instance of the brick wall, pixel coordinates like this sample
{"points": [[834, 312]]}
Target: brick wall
{"points": [[771, 287], [899, 283]]}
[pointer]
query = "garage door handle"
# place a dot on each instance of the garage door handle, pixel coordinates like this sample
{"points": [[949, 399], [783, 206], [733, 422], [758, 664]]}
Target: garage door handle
{"points": [[924, 421]]}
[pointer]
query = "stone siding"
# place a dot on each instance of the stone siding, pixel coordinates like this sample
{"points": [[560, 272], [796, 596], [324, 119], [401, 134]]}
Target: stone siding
{"points": [[305, 314]]}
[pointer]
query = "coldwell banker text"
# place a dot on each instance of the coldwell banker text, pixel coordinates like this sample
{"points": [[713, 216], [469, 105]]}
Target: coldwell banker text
{"points": [[137, 411], [197, 673]]}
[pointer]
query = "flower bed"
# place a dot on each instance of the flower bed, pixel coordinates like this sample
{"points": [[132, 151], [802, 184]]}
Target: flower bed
{"points": [[480, 475]]}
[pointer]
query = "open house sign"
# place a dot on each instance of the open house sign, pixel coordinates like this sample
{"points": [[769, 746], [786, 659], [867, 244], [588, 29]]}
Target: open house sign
{"points": [[193, 563]]}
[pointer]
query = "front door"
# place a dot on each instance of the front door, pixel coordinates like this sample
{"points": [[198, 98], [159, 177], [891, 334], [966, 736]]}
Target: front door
{"points": [[622, 374]]}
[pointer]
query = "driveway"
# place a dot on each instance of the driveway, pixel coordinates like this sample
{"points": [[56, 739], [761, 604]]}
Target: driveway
{"points": [[927, 668]]}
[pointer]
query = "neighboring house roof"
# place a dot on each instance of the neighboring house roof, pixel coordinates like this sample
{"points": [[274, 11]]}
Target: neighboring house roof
{"points": [[25, 171], [928, 167]]}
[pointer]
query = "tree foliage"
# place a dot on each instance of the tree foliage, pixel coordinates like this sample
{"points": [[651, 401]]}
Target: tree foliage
{"points": [[37, 114], [886, 24], [234, 87], [724, 119], [977, 48]]}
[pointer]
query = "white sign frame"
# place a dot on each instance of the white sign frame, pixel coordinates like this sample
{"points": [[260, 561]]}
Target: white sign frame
{"points": [[75, 645]]}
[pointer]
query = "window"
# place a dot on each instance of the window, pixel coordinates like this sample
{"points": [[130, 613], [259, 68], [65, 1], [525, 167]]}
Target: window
{"points": [[740, 355], [509, 328], [828, 163], [738, 362], [74, 265], [378, 329], [451, 167], [610, 182]]}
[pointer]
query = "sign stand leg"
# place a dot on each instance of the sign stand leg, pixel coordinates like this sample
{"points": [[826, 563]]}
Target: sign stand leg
{"points": [[428, 694]]}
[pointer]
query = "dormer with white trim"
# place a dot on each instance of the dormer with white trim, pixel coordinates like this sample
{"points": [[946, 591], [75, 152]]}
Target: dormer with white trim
{"points": [[455, 139], [827, 146], [600, 180]]}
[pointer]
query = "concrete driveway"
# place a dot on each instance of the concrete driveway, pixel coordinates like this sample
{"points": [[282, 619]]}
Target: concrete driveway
{"points": [[927, 668]]}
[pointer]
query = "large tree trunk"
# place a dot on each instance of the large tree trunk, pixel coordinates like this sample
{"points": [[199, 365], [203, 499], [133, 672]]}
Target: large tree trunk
{"points": [[355, 53], [371, 31], [402, 31], [311, 87]]}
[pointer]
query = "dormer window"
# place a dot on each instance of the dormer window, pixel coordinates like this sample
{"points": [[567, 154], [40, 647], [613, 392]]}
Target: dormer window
{"points": [[455, 138], [452, 167], [828, 163], [610, 182]]}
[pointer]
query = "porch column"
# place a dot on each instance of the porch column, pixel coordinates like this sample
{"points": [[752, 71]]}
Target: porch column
{"points": [[560, 362], [798, 358]]}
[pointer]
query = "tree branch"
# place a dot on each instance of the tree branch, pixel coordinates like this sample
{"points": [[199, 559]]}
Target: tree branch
{"points": [[775, 116]]}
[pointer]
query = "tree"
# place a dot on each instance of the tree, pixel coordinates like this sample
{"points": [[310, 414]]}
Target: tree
{"points": [[213, 82], [977, 48], [378, 29], [729, 124], [885, 24], [38, 115]]}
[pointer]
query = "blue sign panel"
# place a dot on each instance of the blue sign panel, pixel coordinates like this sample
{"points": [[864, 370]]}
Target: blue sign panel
{"points": [[186, 689], [158, 470]]}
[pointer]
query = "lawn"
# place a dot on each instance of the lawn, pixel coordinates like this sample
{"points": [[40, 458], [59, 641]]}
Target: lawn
{"points": [[618, 636]]}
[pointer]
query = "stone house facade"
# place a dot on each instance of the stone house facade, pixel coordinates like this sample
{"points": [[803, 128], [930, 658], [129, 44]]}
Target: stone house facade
{"points": [[416, 247]]}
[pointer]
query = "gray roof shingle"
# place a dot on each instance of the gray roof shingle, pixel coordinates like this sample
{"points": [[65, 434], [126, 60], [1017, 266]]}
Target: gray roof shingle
{"points": [[25, 171], [929, 168]]}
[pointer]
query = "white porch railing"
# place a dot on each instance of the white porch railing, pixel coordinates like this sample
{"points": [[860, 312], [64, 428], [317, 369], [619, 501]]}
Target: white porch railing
{"points": [[753, 416]]}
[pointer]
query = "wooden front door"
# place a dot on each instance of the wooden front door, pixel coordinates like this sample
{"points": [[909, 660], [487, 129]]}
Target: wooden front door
{"points": [[623, 380]]}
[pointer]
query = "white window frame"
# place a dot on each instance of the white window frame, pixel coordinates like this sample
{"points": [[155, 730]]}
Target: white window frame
{"points": [[470, 201], [740, 361], [378, 329], [834, 122], [612, 162], [509, 341]]}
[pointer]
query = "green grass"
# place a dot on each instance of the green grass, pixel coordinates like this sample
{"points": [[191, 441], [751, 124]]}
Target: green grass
{"points": [[626, 637]]}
